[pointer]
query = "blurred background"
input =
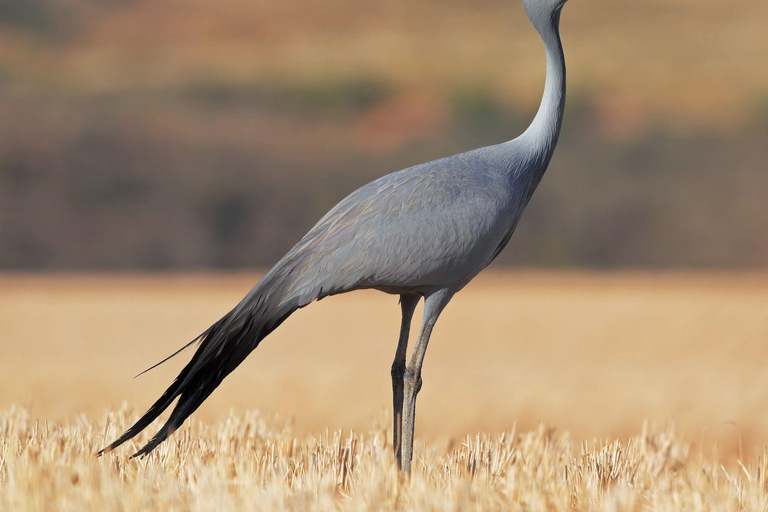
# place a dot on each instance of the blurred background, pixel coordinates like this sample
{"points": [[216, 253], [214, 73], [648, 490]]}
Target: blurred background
{"points": [[189, 134], [150, 141]]}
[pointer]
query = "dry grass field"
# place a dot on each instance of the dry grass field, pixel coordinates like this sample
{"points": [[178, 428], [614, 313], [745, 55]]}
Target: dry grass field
{"points": [[525, 371], [249, 463]]}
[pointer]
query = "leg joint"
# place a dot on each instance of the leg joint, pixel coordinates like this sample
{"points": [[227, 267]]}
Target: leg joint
{"points": [[398, 369], [412, 379]]}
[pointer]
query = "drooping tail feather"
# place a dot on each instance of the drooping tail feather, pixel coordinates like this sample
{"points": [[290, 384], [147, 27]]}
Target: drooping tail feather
{"points": [[222, 348], [166, 359]]}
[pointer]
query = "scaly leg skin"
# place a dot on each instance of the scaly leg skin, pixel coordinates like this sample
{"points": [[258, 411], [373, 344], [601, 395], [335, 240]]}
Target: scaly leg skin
{"points": [[407, 305], [433, 306]]}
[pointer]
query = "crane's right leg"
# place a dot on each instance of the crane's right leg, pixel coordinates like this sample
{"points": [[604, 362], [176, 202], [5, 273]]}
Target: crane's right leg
{"points": [[433, 306], [407, 305]]}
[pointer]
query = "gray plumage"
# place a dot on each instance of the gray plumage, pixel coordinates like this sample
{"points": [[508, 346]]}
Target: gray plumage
{"points": [[425, 231]]}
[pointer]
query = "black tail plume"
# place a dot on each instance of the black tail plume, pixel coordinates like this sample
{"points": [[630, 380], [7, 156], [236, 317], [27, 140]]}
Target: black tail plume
{"points": [[222, 348]]}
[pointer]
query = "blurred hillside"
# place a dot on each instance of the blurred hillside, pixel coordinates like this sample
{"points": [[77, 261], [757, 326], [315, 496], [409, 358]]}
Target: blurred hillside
{"points": [[187, 133]]}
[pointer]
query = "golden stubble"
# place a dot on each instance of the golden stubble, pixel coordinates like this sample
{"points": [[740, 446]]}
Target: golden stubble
{"points": [[589, 355]]}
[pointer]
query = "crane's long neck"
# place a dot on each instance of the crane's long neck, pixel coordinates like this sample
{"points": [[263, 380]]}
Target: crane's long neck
{"points": [[539, 140], [545, 128]]}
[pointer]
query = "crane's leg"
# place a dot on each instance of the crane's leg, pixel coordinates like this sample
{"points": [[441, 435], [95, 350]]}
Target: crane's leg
{"points": [[433, 306], [407, 305]]}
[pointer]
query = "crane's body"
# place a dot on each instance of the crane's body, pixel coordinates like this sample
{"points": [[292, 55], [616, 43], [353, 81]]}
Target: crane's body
{"points": [[422, 232]]}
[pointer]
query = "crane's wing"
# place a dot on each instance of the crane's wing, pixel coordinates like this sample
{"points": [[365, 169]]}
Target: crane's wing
{"points": [[420, 226]]}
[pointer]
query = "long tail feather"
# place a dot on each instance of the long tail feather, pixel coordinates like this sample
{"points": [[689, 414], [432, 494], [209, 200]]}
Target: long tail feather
{"points": [[222, 348], [179, 351]]}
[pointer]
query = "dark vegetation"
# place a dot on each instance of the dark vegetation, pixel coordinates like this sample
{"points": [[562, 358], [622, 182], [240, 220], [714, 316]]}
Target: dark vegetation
{"points": [[211, 174]]}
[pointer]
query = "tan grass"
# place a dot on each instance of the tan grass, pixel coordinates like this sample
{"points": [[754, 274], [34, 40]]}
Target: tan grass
{"points": [[594, 356], [246, 462]]}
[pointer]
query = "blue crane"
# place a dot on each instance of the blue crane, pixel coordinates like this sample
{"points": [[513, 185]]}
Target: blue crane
{"points": [[422, 232]]}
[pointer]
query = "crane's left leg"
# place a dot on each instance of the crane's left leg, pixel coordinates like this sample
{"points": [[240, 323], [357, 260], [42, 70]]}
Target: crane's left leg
{"points": [[408, 305], [433, 306]]}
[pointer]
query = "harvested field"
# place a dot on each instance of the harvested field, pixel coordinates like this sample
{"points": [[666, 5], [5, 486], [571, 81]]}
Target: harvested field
{"points": [[615, 357], [248, 463]]}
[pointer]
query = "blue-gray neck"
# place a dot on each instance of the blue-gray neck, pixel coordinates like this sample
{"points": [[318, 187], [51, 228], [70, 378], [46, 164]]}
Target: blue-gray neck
{"points": [[538, 142]]}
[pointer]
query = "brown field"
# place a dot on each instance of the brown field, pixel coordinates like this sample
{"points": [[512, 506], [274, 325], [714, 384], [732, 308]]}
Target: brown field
{"points": [[683, 63], [248, 463], [591, 356]]}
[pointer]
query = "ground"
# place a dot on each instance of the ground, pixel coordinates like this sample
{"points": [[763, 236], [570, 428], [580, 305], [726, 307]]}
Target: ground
{"points": [[525, 371]]}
